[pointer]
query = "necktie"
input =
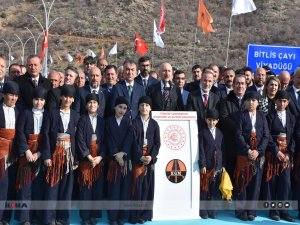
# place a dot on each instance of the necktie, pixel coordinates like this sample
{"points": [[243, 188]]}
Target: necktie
{"points": [[205, 103], [298, 100], [129, 90], [34, 81], [94, 91], [166, 94], [145, 83]]}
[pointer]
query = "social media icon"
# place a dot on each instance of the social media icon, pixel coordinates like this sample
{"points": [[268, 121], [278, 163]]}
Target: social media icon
{"points": [[266, 205], [279, 204], [287, 205], [273, 205]]}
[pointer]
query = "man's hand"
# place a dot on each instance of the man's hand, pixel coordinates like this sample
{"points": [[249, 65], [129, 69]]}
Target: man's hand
{"points": [[48, 162], [203, 170]]}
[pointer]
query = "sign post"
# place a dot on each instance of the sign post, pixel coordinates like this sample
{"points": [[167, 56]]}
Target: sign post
{"points": [[177, 180], [278, 58]]}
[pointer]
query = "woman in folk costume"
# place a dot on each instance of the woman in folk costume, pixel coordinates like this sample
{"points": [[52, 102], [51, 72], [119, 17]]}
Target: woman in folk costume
{"points": [[29, 133], [58, 153], [276, 184], [147, 135], [252, 138], [120, 140], [8, 151], [90, 148]]}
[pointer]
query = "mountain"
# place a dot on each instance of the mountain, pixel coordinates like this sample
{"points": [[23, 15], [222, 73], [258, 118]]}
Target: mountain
{"points": [[91, 24]]}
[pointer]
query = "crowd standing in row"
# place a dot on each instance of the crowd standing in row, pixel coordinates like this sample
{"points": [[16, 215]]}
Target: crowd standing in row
{"points": [[92, 133]]}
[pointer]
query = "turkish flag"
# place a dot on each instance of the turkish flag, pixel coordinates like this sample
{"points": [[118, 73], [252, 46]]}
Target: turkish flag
{"points": [[79, 57], [140, 46], [45, 45]]}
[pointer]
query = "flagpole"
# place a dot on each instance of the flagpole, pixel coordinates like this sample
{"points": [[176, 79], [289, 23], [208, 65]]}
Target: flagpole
{"points": [[153, 54], [194, 48], [117, 60], [228, 41]]}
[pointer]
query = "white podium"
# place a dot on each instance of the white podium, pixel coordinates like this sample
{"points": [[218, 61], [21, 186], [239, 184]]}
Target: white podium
{"points": [[177, 180]]}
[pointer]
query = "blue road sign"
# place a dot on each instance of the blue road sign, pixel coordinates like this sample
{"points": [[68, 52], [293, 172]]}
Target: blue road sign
{"points": [[278, 58]]}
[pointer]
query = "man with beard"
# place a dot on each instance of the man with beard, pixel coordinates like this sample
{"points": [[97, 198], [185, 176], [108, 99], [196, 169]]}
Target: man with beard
{"points": [[95, 77], [203, 98], [144, 77], [228, 76], [260, 76]]}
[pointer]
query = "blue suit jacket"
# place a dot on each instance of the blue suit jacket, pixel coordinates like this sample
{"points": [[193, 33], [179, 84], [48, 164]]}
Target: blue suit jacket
{"points": [[84, 134], [243, 132], [26, 127], [207, 147], [152, 135], [120, 89], [151, 81], [54, 125], [276, 128], [79, 104]]}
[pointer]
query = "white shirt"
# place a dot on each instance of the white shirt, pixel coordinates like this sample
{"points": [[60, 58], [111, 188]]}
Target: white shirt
{"points": [[227, 90], [36, 78], [94, 89], [65, 118], [119, 120], [162, 85], [9, 115], [127, 83], [37, 120], [282, 117], [93, 122], [253, 120], [213, 132], [145, 127]]}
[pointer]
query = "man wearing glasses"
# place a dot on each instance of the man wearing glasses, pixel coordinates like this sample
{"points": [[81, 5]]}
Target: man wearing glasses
{"points": [[179, 80]]}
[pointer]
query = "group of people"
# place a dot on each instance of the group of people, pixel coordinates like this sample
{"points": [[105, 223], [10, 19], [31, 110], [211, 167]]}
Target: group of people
{"points": [[90, 132]]}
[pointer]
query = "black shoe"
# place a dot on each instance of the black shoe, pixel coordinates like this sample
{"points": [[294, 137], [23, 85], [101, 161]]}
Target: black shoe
{"points": [[4, 222], [212, 216], [274, 217], [287, 217], [113, 223], [243, 217], [141, 221], [85, 222], [204, 216], [120, 222], [93, 221], [251, 217]]}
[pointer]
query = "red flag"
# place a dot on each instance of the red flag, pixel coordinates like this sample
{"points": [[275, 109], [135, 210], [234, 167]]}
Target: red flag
{"points": [[79, 57], [162, 21], [102, 54], [44, 46], [204, 19], [140, 46]]}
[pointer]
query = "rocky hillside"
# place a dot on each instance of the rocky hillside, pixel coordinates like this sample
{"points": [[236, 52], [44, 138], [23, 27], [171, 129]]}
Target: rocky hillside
{"points": [[92, 24]]}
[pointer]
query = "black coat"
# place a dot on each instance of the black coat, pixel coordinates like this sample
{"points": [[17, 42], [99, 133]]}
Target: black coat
{"points": [[27, 87], [152, 135], [174, 103], [195, 103]]}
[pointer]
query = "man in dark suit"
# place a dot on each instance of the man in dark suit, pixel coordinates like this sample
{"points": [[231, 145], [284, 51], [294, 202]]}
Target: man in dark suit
{"points": [[260, 76], [229, 113], [294, 91], [31, 79], [197, 72], [144, 77], [94, 87], [165, 95], [110, 75], [129, 89], [228, 77], [3, 78], [53, 100], [202, 99]]}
